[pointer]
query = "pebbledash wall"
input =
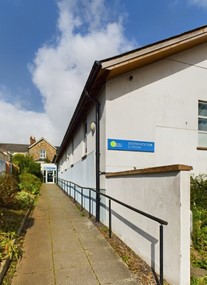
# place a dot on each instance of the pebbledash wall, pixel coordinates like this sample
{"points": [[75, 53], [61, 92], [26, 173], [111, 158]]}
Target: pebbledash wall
{"points": [[153, 112]]}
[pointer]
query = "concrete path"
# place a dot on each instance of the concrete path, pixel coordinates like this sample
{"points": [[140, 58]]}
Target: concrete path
{"points": [[63, 247]]}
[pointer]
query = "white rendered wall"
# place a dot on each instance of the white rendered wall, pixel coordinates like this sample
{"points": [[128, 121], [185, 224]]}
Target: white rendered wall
{"points": [[78, 166], [166, 196], [82, 172], [160, 105]]}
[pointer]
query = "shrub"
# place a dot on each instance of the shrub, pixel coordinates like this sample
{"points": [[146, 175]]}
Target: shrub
{"points": [[26, 164], [198, 186], [8, 189], [199, 234], [9, 246], [24, 199], [30, 183], [198, 281], [199, 259]]}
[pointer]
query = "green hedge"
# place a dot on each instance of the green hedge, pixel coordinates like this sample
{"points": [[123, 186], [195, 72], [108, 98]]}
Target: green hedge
{"points": [[198, 191], [199, 211], [8, 189], [30, 183]]}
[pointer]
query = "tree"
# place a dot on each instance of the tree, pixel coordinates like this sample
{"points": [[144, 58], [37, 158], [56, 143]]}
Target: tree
{"points": [[27, 164]]}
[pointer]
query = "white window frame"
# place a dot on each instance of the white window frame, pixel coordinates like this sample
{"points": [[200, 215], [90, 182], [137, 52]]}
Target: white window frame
{"points": [[202, 134], [43, 154]]}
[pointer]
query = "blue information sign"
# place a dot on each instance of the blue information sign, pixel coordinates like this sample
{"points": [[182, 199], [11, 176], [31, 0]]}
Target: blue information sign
{"points": [[128, 145]]}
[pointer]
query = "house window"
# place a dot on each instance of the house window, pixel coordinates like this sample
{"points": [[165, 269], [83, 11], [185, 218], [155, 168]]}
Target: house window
{"points": [[202, 124], [42, 153], [85, 138]]}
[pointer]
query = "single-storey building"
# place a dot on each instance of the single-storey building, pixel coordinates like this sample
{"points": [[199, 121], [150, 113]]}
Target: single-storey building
{"points": [[152, 111], [142, 109]]}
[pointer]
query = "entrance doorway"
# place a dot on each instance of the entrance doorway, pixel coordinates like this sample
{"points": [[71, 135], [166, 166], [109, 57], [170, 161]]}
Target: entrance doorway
{"points": [[49, 172], [50, 177]]}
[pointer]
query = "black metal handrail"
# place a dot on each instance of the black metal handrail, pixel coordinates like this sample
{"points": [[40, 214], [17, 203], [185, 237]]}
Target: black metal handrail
{"points": [[66, 183]]}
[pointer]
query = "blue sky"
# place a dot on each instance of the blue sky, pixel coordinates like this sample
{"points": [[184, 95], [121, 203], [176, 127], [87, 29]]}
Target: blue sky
{"points": [[24, 27], [47, 49]]}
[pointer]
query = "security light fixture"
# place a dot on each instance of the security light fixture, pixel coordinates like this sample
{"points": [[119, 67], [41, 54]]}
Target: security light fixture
{"points": [[93, 127]]}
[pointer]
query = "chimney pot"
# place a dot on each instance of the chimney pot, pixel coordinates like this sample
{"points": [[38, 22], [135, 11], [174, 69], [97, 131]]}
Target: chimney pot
{"points": [[32, 140]]}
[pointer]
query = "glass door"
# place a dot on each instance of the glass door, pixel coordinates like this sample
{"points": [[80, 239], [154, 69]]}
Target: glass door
{"points": [[50, 177]]}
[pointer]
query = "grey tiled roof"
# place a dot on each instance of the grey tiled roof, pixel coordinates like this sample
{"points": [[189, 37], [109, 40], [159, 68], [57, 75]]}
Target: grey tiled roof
{"points": [[14, 147]]}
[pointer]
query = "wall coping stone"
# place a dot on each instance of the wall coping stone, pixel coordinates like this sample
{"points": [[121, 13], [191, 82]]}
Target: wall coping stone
{"points": [[157, 169]]}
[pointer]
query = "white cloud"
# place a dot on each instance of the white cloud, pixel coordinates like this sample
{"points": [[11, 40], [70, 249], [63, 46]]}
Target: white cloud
{"points": [[201, 3], [18, 125], [88, 30], [61, 69]]}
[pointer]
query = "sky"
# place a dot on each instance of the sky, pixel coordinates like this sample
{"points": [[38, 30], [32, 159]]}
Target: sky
{"points": [[48, 47]]}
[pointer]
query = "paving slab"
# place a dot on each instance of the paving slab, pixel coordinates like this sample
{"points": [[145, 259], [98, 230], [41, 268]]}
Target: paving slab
{"points": [[62, 247]]}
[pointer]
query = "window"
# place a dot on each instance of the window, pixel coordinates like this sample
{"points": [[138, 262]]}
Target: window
{"points": [[42, 153], [202, 124]]}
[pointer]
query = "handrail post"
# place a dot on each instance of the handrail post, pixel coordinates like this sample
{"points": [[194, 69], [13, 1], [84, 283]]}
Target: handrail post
{"points": [[161, 254], [110, 218], [81, 198], [90, 203], [74, 193]]}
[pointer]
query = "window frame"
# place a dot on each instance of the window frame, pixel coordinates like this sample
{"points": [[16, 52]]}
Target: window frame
{"points": [[202, 132], [43, 151]]}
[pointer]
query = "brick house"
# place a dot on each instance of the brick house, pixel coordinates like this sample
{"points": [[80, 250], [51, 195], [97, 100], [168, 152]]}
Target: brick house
{"points": [[41, 150]]}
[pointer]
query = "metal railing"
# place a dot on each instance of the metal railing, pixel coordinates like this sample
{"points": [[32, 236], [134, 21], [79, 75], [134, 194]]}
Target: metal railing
{"points": [[68, 186]]}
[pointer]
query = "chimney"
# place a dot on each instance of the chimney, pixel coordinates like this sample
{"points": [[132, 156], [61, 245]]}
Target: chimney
{"points": [[32, 140]]}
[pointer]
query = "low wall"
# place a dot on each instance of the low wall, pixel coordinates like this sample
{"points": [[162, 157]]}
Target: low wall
{"points": [[163, 192]]}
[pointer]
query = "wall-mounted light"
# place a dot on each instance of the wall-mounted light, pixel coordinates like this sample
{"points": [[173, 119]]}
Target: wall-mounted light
{"points": [[93, 127]]}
